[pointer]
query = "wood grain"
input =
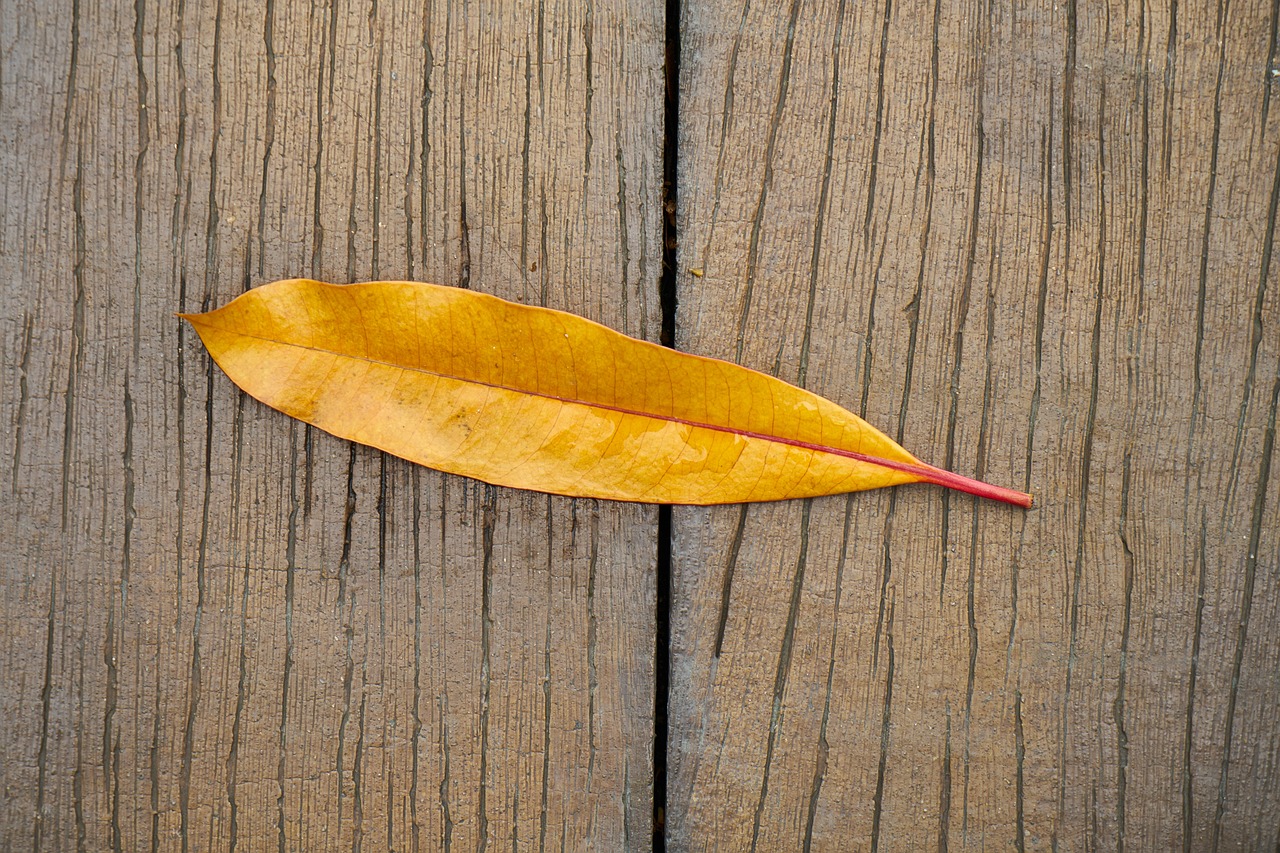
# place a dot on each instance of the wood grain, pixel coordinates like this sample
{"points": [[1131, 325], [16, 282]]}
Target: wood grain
{"points": [[223, 630], [1033, 245], [1036, 247]]}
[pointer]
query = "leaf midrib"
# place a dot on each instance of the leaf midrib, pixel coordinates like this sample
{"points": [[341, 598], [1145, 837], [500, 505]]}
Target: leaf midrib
{"points": [[923, 471]]}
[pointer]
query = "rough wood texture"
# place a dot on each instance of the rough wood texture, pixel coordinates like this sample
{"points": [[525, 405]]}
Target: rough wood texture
{"points": [[224, 630], [1036, 247]]}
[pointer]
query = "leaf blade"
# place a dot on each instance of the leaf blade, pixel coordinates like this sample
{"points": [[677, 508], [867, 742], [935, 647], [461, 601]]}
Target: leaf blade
{"points": [[540, 399]]}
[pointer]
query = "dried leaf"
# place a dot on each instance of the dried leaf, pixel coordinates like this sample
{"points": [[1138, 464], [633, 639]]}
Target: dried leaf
{"points": [[540, 399]]}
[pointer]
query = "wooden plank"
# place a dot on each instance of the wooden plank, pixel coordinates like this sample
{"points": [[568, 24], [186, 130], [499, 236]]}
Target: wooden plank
{"points": [[1036, 246], [225, 630]]}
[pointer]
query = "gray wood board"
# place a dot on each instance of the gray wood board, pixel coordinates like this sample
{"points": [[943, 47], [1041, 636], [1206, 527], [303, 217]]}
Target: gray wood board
{"points": [[224, 629], [1036, 246]]}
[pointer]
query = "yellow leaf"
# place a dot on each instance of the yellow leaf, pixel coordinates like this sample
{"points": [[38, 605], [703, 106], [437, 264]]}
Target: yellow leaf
{"points": [[540, 399]]}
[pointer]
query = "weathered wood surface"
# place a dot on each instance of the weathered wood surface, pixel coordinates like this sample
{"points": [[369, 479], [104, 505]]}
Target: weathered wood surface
{"points": [[224, 630], [1037, 246]]}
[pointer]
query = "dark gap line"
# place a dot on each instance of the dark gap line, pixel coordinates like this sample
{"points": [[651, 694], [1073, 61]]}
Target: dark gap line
{"points": [[662, 679], [668, 297]]}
